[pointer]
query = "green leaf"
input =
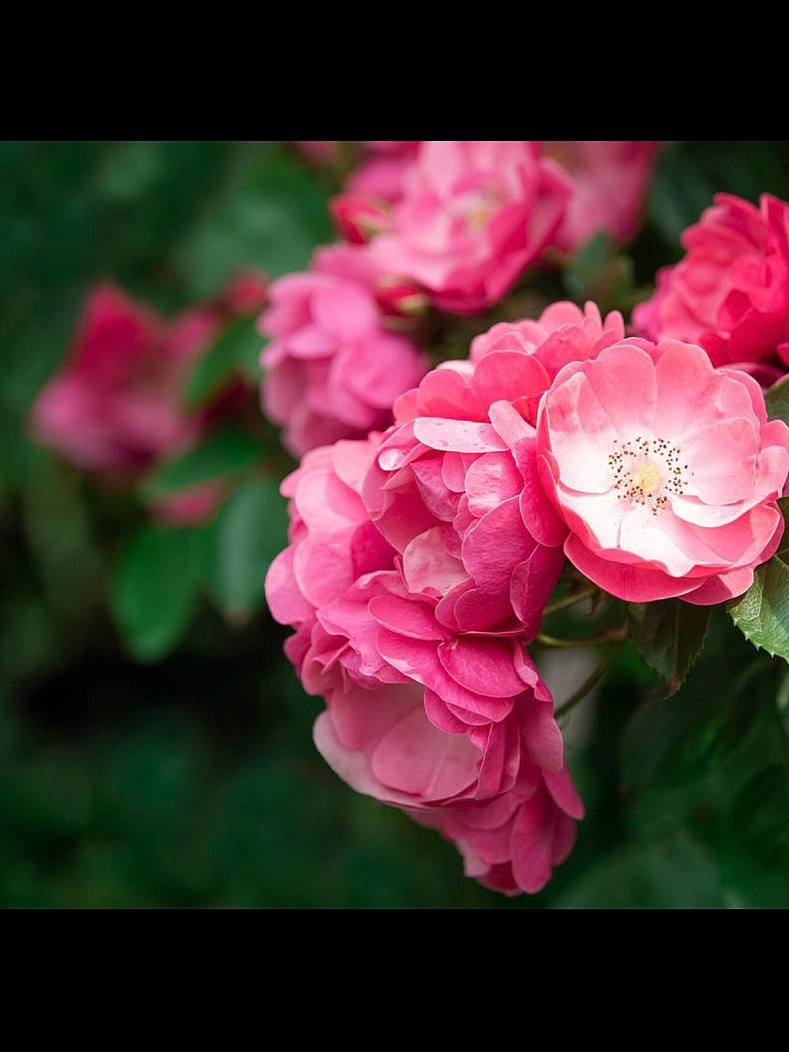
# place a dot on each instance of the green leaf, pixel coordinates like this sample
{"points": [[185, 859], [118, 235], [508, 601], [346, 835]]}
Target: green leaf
{"points": [[709, 761], [671, 741], [669, 635], [675, 873], [236, 351], [223, 453], [251, 532], [271, 214], [777, 401], [600, 273], [154, 588], [762, 614]]}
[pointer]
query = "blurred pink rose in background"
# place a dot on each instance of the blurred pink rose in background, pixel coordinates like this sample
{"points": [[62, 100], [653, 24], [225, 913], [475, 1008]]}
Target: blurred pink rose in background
{"points": [[730, 293], [471, 218], [380, 175], [115, 405], [610, 183]]}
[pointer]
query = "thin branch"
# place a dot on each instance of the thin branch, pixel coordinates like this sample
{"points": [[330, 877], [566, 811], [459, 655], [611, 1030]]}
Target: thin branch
{"points": [[589, 683], [617, 634], [568, 600]]}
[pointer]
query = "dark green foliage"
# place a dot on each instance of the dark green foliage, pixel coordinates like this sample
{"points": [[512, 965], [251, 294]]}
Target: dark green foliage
{"points": [[236, 352], [691, 173], [669, 636], [601, 273]]}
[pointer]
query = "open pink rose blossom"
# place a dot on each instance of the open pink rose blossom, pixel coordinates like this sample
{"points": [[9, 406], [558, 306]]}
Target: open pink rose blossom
{"points": [[610, 184], [472, 216], [454, 728], [730, 293], [665, 470], [332, 369]]}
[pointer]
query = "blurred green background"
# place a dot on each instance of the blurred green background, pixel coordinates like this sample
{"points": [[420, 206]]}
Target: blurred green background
{"points": [[155, 746]]}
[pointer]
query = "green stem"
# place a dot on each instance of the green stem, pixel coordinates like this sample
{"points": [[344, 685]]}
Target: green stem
{"points": [[589, 683], [568, 600], [610, 635]]}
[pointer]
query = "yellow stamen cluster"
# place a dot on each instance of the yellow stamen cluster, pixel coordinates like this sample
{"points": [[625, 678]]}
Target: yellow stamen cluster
{"points": [[648, 471]]}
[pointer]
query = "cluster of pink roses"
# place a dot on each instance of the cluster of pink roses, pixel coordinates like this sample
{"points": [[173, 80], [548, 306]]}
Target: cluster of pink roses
{"points": [[565, 191], [421, 561], [115, 407], [454, 224]]}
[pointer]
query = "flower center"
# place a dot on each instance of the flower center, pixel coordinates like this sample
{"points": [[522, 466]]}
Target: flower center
{"points": [[647, 477], [647, 471], [480, 206]]}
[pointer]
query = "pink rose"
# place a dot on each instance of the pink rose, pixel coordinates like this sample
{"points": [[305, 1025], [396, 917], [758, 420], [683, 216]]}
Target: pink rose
{"points": [[114, 407], [358, 218], [399, 300], [460, 473], [379, 178], [333, 370], [472, 217], [610, 185], [455, 490], [665, 471], [455, 729], [513, 843], [730, 293], [563, 333]]}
